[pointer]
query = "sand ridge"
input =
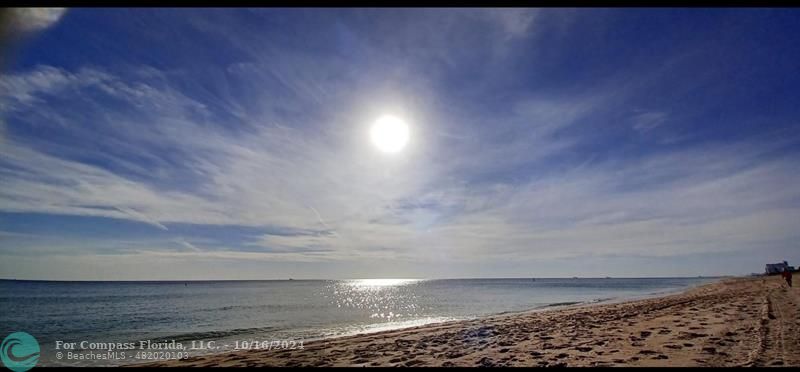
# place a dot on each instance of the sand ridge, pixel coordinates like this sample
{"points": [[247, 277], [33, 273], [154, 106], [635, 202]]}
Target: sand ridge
{"points": [[734, 322]]}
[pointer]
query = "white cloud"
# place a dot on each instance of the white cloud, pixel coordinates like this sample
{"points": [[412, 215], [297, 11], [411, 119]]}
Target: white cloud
{"points": [[440, 201], [648, 121], [34, 19], [514, 22]]}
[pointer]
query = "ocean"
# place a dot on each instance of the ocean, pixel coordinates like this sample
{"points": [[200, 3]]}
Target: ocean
{"points": [[298, 310]]}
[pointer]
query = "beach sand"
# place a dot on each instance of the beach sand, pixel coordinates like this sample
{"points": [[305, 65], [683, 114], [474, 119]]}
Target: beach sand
{"points": [[733, 322]]}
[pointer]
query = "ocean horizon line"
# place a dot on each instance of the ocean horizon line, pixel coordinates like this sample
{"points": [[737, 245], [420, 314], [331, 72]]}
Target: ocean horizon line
{"points": [[349, 279]]}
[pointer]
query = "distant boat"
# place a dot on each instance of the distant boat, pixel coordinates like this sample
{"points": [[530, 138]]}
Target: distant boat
{"points": [[291, 279]]}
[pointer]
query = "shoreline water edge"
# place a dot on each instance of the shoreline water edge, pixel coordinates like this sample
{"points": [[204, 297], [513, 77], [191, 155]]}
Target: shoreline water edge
{"points": [[731, 322]]}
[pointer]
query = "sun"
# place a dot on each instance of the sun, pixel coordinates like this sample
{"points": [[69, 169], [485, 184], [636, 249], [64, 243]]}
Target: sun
{"points": [[389, 134]]}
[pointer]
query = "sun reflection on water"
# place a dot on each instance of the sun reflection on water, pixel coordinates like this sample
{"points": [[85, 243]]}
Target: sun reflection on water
{"points": [[373, 283], [383, 299]]}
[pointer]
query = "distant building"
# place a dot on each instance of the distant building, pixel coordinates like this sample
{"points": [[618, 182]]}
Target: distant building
{"points": [[777, 268]]}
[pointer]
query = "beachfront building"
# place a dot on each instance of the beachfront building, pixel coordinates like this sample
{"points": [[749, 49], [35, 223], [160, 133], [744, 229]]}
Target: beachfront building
{"points": [[777, 268]]}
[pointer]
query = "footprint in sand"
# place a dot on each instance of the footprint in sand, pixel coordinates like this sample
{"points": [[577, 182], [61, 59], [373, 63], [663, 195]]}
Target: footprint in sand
{"points": [[486, 362]]}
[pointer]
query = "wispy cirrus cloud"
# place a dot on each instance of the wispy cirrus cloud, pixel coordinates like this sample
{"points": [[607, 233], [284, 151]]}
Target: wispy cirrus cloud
{"points": [[285, 177], [647, 121], [267, 159]]}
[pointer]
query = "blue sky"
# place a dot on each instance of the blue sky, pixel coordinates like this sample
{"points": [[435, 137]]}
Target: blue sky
{"points": [[233, 144]]}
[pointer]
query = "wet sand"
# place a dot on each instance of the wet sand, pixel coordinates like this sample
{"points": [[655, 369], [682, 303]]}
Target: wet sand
{"points": [[734, 322]]}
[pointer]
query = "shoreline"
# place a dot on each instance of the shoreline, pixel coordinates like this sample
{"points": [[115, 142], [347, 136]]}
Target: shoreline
{"points": [[542, 308], [732, 321]]}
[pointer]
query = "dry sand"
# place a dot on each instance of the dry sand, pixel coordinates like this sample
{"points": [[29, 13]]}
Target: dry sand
{"points": [[734, 322]]}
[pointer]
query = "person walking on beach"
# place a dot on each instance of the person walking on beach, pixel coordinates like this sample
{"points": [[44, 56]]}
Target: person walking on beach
{"points": [[786, 274]]}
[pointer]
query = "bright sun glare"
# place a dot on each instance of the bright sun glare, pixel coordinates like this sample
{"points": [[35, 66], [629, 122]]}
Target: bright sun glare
{"points": [[389, 133]]}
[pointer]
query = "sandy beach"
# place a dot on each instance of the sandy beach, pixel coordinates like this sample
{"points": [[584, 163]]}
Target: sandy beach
{"points": [[734, 322]]}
